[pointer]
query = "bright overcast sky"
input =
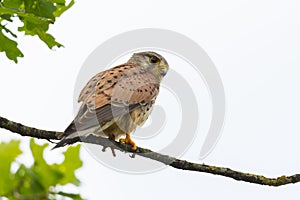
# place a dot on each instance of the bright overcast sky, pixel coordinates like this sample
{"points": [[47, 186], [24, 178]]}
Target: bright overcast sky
{"points": [[255, 46]]}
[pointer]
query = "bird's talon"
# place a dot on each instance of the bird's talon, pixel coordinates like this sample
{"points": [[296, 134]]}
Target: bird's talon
{"points": [[122, 141], [134, 147], [132, 156], [127, 140], [113, 152]]}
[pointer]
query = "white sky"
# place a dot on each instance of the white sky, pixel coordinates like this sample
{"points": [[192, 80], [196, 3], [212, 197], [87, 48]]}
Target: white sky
{"points": [[254, 44]]}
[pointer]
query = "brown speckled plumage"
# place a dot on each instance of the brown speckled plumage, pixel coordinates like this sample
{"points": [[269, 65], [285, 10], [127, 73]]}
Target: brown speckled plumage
{"points": [[117, 100]]}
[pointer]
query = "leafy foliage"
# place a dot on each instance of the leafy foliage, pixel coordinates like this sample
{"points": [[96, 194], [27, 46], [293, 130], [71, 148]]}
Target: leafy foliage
{"points": [[35, 15], [40, 180]]}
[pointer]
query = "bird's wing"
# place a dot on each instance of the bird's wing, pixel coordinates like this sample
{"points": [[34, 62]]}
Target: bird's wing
{"points": [[102, 80], [113, 93]]}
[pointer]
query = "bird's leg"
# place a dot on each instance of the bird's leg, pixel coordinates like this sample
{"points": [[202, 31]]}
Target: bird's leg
{"points": [[128, 140], [112, 137]]}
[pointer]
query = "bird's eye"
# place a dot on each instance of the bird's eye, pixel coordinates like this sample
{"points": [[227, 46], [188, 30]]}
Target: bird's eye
{"points": [[154, 59]]}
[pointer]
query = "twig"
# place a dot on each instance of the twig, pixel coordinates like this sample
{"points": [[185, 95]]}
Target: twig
{"points": [[165, 159]]}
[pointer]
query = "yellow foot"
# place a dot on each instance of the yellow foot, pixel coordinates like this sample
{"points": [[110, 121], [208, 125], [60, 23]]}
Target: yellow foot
{"points": [[127, 140]]}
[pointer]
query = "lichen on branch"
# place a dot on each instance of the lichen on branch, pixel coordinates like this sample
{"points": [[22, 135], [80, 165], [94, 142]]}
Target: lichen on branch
{"points": [[165, 159]]}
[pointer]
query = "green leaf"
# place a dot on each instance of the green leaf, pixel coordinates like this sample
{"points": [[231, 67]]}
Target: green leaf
{"points": [[12, 3], [40, 180], [28, 182], [49, 40], [71, 195], [40, 8], [36, 16], [71, 163], [8, 31], [6, 17], [33, 26], [8, 153], [63, 173], [61, 7], [46, 174], [10, 47]]}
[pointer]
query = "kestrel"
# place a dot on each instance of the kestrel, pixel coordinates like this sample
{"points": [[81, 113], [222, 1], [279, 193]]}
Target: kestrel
{"points": [[118, 100]]}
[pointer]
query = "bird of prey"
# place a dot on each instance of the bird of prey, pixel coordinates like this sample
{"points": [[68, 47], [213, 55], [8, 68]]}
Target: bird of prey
{"points": [[117, 100]]}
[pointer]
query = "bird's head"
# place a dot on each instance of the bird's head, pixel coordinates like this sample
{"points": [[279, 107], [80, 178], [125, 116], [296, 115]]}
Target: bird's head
{"points": [[151, 61]]}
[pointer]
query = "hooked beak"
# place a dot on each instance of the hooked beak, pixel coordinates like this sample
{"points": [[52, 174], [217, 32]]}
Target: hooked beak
{"points": [[163, 69]]}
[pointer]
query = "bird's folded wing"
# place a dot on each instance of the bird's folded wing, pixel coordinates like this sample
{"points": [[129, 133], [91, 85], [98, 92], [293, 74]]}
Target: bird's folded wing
{"points": [[114, 93]]}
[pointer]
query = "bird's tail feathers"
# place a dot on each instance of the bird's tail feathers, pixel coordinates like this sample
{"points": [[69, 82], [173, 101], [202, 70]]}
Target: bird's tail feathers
{"points": [[72, 137], [66, 141]]}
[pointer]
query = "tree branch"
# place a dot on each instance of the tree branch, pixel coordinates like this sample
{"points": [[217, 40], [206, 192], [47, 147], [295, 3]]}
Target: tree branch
{"points": [[165, 159]]}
